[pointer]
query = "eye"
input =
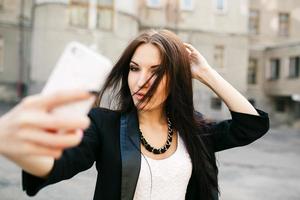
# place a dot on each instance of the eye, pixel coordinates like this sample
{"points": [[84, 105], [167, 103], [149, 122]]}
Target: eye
{"points": [[154, 70], [133, 68]]}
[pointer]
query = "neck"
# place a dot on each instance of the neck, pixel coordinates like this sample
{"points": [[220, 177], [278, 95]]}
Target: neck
{"points": [[154, 116]]}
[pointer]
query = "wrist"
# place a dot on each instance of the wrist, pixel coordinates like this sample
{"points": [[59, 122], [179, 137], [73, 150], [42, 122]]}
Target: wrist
{"points": [[206, 75]]}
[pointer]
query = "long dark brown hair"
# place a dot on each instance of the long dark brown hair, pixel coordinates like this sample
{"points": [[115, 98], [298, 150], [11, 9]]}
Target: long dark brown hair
{"points": [[179, 103]]}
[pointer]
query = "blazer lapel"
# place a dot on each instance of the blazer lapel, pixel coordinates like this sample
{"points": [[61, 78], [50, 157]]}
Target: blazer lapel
{"points": [[130, 154]]}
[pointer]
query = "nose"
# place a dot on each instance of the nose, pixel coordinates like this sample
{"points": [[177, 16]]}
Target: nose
{"points": [[143, 79]]}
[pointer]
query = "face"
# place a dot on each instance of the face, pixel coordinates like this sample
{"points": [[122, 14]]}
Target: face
{"points": [[145, 60]]}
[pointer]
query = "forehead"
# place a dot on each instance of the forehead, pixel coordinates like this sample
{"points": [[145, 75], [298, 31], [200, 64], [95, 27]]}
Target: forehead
{"points": [[147, 55]]}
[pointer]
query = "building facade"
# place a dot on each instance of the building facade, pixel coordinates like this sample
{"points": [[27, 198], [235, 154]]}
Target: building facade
{"points": [[252, 44], [274, 66], [108, 26], [15, 41]]}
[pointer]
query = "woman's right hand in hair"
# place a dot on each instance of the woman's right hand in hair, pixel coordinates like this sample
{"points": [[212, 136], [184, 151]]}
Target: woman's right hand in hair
{"points": [[199, 64], [31, 129]]}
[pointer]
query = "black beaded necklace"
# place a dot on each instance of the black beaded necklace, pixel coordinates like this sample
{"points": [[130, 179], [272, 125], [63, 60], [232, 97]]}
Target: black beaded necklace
{"points": [[162, 149]]}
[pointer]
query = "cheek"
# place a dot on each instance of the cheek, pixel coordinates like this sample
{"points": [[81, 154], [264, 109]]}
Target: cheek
{"points": [[161, 92], [130, 80]]}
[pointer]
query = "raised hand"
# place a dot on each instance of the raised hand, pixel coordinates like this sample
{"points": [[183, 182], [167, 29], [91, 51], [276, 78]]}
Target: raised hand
{"points": [[199, 64]]}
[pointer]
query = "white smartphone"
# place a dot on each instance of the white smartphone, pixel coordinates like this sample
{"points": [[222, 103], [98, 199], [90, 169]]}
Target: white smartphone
{"points": [[78, 68]]}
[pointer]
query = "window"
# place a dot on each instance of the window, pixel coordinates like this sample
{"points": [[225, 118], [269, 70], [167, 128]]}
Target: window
{"points": [[252, 71], [105, 14], [78, 15], [187, 5], [297, 110], [215, 103], [294, 67], [219, 56], [253, 22], [154, 3], [284, 19], [275, 69], [107, 3], [1, 55], [171, 12], [220, 6], [280, 104]]}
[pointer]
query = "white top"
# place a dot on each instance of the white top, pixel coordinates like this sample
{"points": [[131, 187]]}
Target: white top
{"points": [[170, 176]]}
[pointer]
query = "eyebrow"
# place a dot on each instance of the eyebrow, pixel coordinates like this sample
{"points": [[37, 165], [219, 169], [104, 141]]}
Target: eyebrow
{"points": [[153, 66]]}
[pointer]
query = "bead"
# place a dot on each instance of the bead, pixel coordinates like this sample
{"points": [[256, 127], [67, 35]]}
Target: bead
{"points": [[162, 149], [156, 151]]}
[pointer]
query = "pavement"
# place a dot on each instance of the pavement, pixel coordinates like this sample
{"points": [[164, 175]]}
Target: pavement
{"points": [[268, 169]]}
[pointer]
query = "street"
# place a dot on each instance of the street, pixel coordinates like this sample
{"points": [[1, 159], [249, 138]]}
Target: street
{"points": [[266, 169]]}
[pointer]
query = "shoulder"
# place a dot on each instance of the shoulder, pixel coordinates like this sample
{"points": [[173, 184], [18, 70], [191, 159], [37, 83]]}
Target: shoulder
{"points": [[104, 114]]}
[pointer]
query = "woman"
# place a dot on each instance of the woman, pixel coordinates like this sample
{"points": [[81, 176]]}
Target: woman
{"points": [[154, 145]]}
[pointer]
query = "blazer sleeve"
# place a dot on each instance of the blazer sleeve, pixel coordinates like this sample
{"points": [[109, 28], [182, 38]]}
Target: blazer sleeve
{"points": [[241, 130], [72, 161]]}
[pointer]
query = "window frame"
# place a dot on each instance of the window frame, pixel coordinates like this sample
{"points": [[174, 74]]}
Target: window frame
{"points": [[187, 8], [277, 66], [219, 49], [222, 11], [110, 8], [250, 79], [296, 67], [284, 32], [255, 21], [75, 4], [155, 6], [2, 57]]}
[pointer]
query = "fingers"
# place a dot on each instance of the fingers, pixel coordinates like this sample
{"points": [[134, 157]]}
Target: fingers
{"points": [[61, 98], [188, 50], [56, 99], [50, 140], [32, 149], [195, 54], [52, 121], [189, 47]]}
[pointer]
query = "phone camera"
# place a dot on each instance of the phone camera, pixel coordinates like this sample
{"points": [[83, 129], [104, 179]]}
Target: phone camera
{"points": [[74, 50]]}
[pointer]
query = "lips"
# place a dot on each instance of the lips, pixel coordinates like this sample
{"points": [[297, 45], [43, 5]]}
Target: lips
{"points": [[139, 95]]}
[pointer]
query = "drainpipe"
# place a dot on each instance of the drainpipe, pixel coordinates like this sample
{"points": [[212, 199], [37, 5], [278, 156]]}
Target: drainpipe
{"points": [[20, 82]]}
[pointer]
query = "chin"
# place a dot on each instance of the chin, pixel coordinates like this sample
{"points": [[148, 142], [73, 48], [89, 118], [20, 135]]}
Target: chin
{"points": [[147, 107]]}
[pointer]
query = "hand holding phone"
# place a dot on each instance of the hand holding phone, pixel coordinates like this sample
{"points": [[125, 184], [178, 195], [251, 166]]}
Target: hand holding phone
{"points": [[79, 68]]}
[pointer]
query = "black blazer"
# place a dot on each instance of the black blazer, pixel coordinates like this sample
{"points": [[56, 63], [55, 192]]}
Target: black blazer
{"points": [[112, 140]]}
